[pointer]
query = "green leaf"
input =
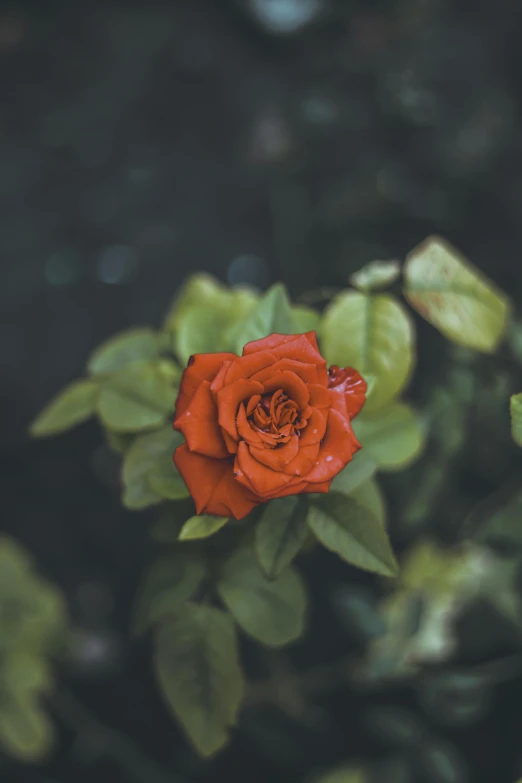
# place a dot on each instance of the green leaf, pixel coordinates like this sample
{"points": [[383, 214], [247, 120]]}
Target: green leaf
{"points": [[32, 610], [515, 408], [280, 533], [165, 480], [197, 666], [25, 730], [72, 406], [353, 532], [203, 315], [137, 397], [374, 334], [201, 526], [348, 774], [273, 612], [205, 292], [170, 582], [360, 469], [454, 296], [369, 496], [393, 437], [25, 673], [118, 442], [271, 315], [201, 331], [122, 349], [375, 275], [147, 466], [305, 319]]}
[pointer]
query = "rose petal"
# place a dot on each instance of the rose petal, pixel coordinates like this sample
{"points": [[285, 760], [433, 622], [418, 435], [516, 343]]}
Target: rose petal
{"points": [[230, 442], [212, 485], [219, 380], [299, 488], [201, 367], [253, 474], [278, 458], [246, 366], [307, 372], [252, 404], [228, 400], [314, 430], [337, 449], [347, 391], [319, 396], [244, 429], [292, 386], [299, 347], [304, 460], [200, 426]]}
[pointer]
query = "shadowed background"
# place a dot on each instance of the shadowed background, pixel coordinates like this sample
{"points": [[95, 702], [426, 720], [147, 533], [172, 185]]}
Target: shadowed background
{"points": [[257, 140]]}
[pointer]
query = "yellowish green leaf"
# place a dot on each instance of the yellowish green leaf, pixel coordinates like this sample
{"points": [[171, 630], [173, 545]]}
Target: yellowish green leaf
{"points": [[272, 314], [347, 774], [375, 275], [201, 526], [271, 611], [203, 315], [374, 334], [122, 349], [353, 532], [454, 296], [515, 407], [393, 437], [32, 610], [25, 673], [72, 406], [137, 397], [305, 319], [200, 290], [197, 666], [26, 732]]}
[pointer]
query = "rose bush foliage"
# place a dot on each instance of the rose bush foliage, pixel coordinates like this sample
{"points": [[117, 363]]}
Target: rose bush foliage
{"points": [[269, 413]]}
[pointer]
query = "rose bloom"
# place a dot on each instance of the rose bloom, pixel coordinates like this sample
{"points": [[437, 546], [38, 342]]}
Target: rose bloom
{"points": [[270, 423]]}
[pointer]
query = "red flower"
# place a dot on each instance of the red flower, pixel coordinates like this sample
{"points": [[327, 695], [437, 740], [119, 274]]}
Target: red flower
{"points": [[270, 423]]}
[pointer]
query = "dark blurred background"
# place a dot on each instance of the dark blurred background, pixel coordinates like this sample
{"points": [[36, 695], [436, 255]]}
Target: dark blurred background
{"points": [[257, 140]]}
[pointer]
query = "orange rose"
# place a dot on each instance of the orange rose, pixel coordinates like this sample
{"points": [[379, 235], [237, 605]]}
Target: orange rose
{"points": [[270, 423]]}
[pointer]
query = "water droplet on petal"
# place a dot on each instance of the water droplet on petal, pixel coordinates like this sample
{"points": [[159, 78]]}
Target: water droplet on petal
{"points": [[329, 458], [187, 413]]}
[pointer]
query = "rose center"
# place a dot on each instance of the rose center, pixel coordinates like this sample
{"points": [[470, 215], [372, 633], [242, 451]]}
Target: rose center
{"points": [[275, 418]]}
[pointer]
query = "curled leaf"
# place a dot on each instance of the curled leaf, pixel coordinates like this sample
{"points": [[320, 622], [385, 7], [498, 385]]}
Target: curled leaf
{"points": [[454, 296]]}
